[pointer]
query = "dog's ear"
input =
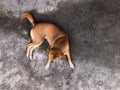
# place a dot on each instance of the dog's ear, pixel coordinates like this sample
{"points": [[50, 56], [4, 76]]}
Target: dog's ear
{"points": [[48, 49], [57, 52], [52, 49]]}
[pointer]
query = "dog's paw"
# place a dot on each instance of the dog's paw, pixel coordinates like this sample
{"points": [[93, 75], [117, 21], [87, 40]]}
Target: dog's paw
{"points": [[72, 66], [47, 66], [31, 57], [27, 55]]}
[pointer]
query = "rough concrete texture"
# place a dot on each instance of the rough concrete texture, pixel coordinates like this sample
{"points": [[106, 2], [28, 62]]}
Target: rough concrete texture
{"points": [[93, 27]]}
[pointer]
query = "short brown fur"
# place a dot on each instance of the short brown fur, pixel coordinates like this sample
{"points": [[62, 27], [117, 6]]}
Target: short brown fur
{"points": [[57, 39]]}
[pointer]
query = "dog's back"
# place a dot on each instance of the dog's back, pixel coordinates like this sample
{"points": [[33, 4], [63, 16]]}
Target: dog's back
{"points": [[49, 31]]}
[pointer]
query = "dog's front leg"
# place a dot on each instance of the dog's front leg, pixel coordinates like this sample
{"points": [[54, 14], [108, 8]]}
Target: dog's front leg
{"points": [[31, 47], [48, 62], [69, 60]]}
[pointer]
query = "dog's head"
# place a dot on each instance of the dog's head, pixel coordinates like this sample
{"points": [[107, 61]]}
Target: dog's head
{"points": [[55, 54]]}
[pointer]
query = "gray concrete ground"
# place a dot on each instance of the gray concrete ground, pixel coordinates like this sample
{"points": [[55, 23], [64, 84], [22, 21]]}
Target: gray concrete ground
{"points": [[93, 27]]}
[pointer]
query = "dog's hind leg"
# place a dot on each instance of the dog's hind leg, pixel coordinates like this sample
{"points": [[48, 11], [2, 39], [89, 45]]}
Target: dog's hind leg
{"points": [[37, 40], [31, 47], [35, 46]]}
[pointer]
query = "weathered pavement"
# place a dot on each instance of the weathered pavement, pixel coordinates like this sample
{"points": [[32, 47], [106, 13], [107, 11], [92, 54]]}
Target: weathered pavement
{"points": [[93, 28]]}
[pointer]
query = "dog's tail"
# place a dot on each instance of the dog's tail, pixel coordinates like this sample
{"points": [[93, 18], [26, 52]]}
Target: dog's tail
{"points": [[29, 17]]}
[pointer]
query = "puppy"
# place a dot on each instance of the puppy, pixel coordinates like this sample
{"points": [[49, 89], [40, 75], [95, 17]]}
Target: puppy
{"points": [[57, 39]]}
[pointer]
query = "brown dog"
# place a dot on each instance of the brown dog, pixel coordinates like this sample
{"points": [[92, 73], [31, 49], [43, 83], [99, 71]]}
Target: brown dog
{"points": [[58, 40]]}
